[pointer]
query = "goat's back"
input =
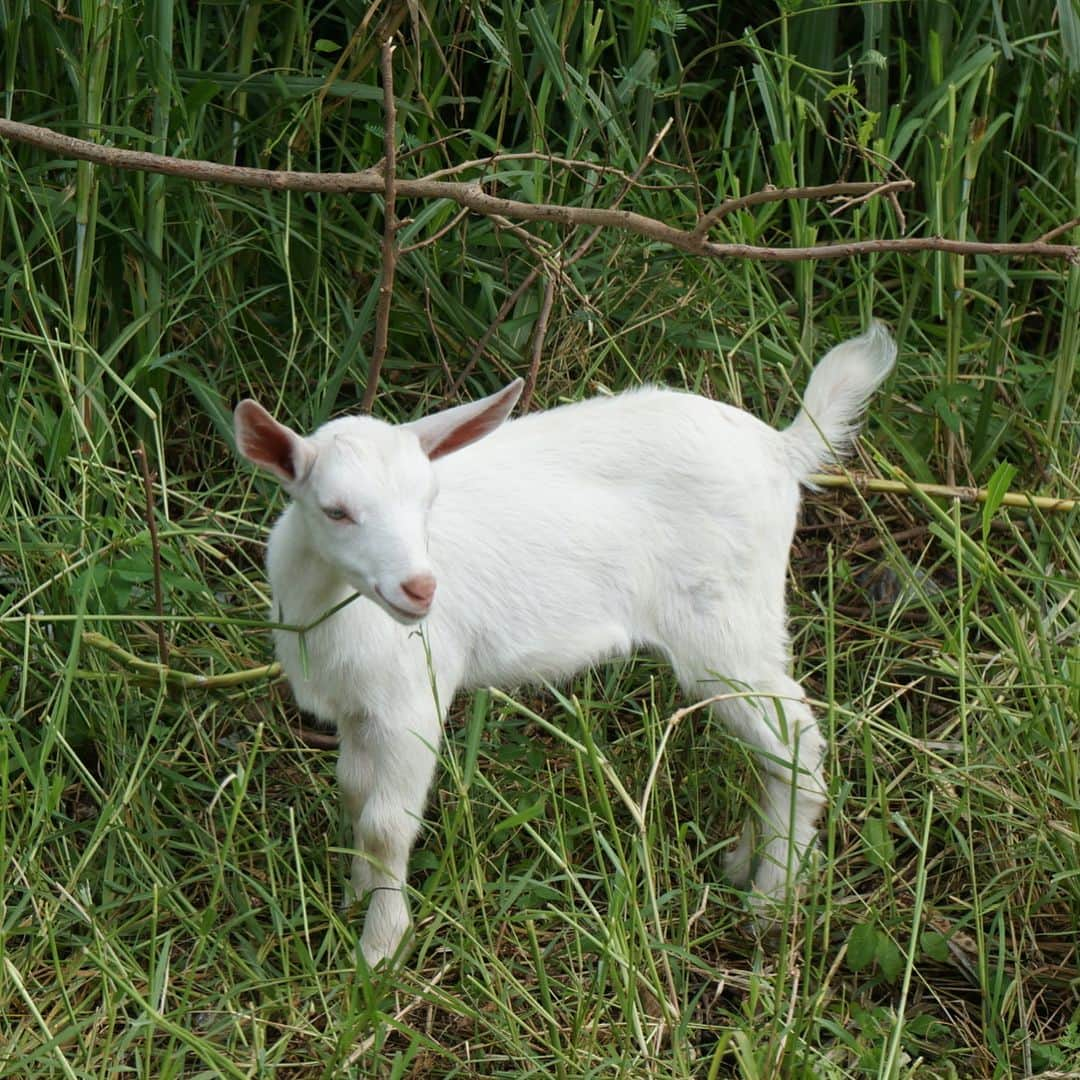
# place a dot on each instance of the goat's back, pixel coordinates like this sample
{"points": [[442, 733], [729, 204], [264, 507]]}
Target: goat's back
{"points": [[591, 528]]}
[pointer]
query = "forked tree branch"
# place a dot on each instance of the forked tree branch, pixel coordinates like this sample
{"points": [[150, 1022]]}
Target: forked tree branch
{"points": [[473, 196], [859, 190]]}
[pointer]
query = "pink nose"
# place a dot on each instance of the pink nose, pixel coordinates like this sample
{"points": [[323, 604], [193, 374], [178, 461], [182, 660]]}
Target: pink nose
{"points": [[419, 589]]}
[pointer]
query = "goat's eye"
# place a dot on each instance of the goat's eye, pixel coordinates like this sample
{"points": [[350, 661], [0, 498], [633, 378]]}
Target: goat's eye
{"points": [[335, 513]]}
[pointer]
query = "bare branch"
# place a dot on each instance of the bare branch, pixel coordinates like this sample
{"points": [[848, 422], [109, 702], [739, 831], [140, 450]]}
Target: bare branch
{"points": [[390, 226], [875, 190], [505, 308], [539, 333], [473, 196], [1054, 233], [901, 219], [574, 164], [866, 189], [317, 740]]}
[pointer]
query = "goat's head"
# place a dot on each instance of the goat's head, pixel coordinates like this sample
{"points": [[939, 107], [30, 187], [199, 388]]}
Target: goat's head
{"points": [[366, 488]]}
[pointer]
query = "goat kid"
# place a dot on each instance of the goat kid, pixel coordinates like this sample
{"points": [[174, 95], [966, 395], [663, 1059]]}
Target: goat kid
{"points": [[530, 549]]}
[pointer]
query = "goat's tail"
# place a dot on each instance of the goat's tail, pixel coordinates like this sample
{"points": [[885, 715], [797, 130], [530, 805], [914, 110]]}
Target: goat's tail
{"points": [[839, 388]]}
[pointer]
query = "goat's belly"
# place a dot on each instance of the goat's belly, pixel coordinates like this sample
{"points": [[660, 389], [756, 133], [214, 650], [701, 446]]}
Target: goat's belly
{"points": [[517, 659]]}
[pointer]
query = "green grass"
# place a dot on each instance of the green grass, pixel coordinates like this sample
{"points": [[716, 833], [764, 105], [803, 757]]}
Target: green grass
{"points": [[174, 861]]}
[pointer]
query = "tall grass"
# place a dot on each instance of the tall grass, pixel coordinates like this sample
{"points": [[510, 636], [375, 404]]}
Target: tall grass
{"points": [[173, 861]]}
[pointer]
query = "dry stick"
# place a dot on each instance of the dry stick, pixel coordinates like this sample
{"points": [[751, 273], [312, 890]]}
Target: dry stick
{"points": [[858, 482], [317, 740], [863, 188], [901, 219], [539, 333], [1054, 233], [888, 189], [390, 225], [579, 252], [429, 240], [396, 18], [572, 164], [526, 237], [390, 23], [473, 196], [155, 552], [647, 160]]}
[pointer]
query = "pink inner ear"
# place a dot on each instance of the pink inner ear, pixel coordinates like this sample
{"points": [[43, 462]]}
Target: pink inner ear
{"points": [[462, 435], [267, 443], [475, 426]]}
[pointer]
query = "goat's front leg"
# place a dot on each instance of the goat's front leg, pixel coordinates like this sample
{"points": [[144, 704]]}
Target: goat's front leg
{"points": [[384, 775]]}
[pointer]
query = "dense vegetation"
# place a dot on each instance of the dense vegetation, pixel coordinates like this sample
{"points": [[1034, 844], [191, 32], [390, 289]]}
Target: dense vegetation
{"points": [[172, 859]]}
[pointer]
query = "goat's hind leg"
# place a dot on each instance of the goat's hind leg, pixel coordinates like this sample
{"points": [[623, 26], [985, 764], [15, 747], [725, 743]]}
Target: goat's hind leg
{"points": [[779, 725], [768, 713]]}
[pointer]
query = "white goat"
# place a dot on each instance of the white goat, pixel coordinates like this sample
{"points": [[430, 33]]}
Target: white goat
{"points": [[531, 549]]}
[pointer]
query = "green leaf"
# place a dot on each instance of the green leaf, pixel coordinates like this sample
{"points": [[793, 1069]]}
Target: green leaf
{"points": [[200, 94], [888, 957], [878, 843], [861, 947], [935, 945], [995, 492], [526, 813], [1068, 17]]}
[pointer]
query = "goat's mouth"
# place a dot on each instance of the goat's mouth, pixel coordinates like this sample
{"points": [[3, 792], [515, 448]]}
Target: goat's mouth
{"points": [[402, 614]]}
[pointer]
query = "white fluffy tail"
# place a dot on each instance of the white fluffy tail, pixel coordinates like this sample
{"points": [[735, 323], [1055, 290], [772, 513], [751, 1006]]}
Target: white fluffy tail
{"points": [[839, 388]]}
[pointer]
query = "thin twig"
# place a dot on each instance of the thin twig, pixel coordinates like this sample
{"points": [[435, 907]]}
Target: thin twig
{"points": [[390, 226], [875, 190], [317, 740], [1054, 233], [859, 482], [551, 159], [473, 196], [533, 243], [504, 309], [357, 34], [549, 288], [435, 334], [875, 542], [429, 240], [155, 553], [539, 333], [866, 189], [901, 218]]}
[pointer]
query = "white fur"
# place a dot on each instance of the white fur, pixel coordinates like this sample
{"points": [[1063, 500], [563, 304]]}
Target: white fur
{"points": [[654, 519]]}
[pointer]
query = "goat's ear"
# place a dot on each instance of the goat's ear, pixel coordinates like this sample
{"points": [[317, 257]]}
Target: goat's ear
{"points": [[450, 430], [270, 445]]}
